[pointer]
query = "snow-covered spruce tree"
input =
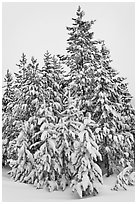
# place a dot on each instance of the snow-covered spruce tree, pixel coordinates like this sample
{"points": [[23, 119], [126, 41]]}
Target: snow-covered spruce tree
{"points": [[27, 97], [65, 135], [92, 76], [25, 110], [51, 78], [8, 95], [78, 56], [16, 107], [7, 117], [40, 129], [108, 108], [84, 158], [128, 115], [105, 111], [27, 84], [36, 149], [22, 167], [47, 158], [78, 150], [22, 70], [123, 178], [82, 60]]}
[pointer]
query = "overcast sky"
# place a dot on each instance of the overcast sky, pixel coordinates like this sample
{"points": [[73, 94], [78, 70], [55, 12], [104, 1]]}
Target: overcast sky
{"points": [[33, 28]]}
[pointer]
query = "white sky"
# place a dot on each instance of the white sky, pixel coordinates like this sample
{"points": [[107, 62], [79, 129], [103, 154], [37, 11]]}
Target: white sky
{"points": [[34, 28]]}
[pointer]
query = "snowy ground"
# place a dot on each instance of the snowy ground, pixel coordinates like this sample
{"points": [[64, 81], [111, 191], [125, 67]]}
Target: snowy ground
{"points": [[19, 192]]}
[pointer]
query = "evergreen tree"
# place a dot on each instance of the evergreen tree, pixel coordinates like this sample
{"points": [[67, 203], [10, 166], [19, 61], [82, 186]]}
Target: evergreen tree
{"points": [[8, 95], [124, 178], [128, 112], [22, 166], [39, 106], [128, 117], [78, 149], [28, 85], [7, 117], [118, 143], [21, 74], [51, 78], [27, 98], [85, 156], [92, 80], [65, 137], [48, 156]]}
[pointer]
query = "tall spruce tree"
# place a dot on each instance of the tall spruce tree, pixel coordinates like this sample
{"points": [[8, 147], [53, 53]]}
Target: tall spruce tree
{"points": [[48, 156], [21, 74], [119, 142], [7, 117], [8, 95], [78, 149], [51, 78], [28, 85], [40, 104], [128, 117], [92, 78], [26, 102]]}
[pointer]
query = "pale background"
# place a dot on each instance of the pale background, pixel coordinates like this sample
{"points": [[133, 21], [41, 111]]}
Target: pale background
{"points": [[34, 28]]}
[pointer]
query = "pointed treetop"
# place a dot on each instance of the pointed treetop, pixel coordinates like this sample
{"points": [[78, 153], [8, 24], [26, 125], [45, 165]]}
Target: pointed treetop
{"points": [[47, 58], [33, 60], [80, 13], [23, 60], [8, 76]]}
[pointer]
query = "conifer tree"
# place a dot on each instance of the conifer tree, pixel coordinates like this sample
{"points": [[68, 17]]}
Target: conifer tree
{"points": [[92, 79], [21, 74], [51, 78], [27, 97], [66, 129], [40, 96], [128, 117], [48, 156], [85, 156], [28, 85], [128, 112], [118, 142], [8, 95], [28, 143], [7, 117], [22, 166], [123, 179], [78, 149]]}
